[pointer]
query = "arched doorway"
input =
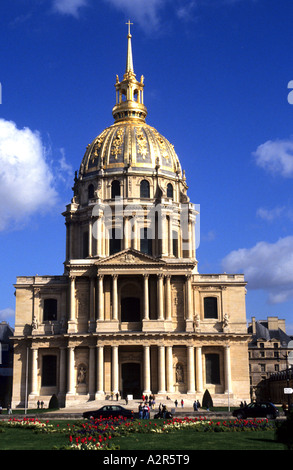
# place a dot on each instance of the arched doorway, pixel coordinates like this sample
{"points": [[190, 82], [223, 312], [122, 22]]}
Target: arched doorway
{"points": [[130, 375], [130, 309], [130, 302]]}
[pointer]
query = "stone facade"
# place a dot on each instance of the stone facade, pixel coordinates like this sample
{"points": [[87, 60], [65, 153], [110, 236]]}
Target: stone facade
{"points": [[268, 349], [131, 314]]}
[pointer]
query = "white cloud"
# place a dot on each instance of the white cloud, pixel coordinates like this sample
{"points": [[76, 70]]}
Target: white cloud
{"points": [[266, 266], [270, 214], [27, 181], [69, 7], [276, 157], [8, 315]]}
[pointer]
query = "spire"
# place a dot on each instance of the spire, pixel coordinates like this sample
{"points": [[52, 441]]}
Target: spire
{"points": [[129, 60], [129, 92]]}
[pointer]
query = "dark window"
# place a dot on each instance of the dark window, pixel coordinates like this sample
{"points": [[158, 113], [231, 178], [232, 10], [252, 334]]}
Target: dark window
{"points": [[49, 372], [210, 307], [91, 191], [85, 244], [146, 241], [115, 189], [175, 243], [115, 241], [50, 309], [130, 309], [212, 369], [144, 189], [170, 190]]}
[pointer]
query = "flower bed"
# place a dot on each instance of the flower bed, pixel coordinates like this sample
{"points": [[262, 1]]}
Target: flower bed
{"points": [[100, 434], [31, 423]]}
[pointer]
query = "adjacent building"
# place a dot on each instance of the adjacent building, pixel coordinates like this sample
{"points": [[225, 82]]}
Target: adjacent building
{"points": [[6, 363], [269, 349], [131, 313]]}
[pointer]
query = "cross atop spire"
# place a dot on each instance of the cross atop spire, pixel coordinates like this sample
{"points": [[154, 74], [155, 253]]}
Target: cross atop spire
{"points": [[129, 92], [129, 60], [129, 27]]}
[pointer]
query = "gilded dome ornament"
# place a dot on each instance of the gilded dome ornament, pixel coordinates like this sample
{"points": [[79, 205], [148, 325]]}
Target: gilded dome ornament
{"points": [[130, 141]]}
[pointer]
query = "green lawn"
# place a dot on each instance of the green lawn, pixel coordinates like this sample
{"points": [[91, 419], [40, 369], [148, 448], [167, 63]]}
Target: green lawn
{"points": [[28, 439]]}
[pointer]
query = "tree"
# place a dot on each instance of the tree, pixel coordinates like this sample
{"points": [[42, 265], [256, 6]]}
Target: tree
{"points": [[207, 401], [54, 404]]}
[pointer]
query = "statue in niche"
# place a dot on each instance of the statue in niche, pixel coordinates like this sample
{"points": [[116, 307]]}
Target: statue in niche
{"points": [[196, 321], [35, 323], [81, 375], [179, 373], [226, 320]]}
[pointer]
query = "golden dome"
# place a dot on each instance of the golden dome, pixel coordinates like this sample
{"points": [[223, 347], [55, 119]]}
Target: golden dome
{"points": [[130, 142]]}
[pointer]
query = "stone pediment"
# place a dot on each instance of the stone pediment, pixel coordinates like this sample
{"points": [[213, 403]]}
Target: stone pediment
{"points": [[130, 257]]}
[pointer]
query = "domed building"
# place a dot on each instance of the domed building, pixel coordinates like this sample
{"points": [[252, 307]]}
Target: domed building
{"points": [[131, 314]]}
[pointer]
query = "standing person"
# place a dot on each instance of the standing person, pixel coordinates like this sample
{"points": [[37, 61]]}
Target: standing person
{"points": [[182, 403], [195, 405], [198, 404], [146, 411], [176, 403], [140, 410]]}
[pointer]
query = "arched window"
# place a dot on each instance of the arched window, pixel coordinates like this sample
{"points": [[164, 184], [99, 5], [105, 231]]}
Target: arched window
{"points": [[170, 190], [91, 191], [146, 242], [175, 243], [212, 368], [115, 241], [49, 371], [50, 309], [115, 189], [145, 189], [210, 307]]}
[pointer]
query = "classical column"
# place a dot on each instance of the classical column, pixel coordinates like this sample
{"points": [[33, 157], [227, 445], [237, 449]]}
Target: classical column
{"points": [[189, 297], [62, 371], [199, 381], [161, 370], [91, 371], [227, 367], [100, 306], [90, 237], [168, 298], [71, 384], [115, 369], [160, 297], [72, 298], [34, 372], [127, 232], [92, 304], [100, 370], [190, 370], [146, 296], [169, 369], [146, 370], [114, 297]]}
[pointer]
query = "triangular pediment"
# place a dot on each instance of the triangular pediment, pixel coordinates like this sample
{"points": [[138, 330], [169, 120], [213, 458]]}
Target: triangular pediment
{"points": [[130, 257]]}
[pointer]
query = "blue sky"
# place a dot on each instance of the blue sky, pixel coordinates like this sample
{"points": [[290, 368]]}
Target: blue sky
{"points": [[216, 86]]}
